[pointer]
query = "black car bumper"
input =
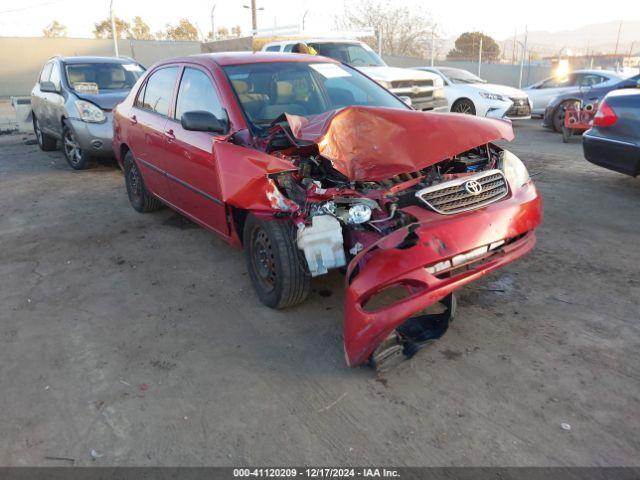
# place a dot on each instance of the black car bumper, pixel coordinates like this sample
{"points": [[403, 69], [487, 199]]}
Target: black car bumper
{"points": [[616, 155]]}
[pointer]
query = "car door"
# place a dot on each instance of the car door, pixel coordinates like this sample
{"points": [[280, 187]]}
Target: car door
{"points": [[149, 116], [190, 160], [549, 88], [55, 101], [40, 99]]}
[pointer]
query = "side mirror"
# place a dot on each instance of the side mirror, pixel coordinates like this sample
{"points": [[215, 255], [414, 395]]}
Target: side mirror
{"points": [[48, 87], [201, 121]]}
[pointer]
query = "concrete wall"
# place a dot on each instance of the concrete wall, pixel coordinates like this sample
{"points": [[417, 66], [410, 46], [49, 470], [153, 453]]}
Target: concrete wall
{"points": [[21, 59], [241, 44], [492, 72]]}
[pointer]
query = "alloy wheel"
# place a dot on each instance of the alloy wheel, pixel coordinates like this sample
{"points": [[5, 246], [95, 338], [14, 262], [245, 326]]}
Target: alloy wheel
{"points": [[71, 148]]}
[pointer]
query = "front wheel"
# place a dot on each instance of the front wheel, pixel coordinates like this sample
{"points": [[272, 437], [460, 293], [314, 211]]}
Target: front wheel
{"points": [[139, 197], [465, 106], [77, 158], [277, 269]]}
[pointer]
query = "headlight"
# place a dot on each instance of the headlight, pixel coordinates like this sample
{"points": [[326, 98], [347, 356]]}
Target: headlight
{"points": [[492, 96], [385, 84], [359, 213], [513, 169], [89, 112], [438, 92]]}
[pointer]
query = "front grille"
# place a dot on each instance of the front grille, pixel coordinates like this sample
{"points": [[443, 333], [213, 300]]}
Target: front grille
{"points": [[454, 196], [411, 83], [520, 108]]}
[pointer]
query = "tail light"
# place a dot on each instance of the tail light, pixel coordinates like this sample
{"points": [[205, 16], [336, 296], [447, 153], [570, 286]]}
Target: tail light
{"points": [[605, 116]]}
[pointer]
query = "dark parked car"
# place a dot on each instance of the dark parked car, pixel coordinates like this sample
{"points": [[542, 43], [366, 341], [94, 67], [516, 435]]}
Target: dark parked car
{"points": [[614, 140], [554, 113], [72, 102], [310, 166]]}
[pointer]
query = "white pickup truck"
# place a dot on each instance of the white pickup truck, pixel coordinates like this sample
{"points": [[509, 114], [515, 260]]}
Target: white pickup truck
{"points": [[421, 90]]}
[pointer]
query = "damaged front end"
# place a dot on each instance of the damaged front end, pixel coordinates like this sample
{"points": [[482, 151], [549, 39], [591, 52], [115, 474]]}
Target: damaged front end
{"points": [[414, 205]]}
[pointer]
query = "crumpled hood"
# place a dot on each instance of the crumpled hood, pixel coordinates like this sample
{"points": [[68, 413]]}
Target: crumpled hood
{"points": [[105, 100], [375, 143]]}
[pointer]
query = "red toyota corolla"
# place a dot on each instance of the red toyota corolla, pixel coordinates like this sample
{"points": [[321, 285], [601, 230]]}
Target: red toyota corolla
{"points": [[310, 166]]}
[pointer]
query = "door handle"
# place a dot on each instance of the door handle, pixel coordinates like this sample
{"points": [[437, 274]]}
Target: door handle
{"points": [[170, 135], [134, 120]]}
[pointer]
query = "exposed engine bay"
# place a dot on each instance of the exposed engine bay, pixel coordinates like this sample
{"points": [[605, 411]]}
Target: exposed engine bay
{"points": [[406, 202]]}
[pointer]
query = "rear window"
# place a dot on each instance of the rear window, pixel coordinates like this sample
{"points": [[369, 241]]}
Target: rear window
{"points": [[97, 77]]}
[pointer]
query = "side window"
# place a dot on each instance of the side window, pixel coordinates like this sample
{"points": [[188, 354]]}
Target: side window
{"points": [[55, 75], [46, 72], [589, 79], [273, 48], [288, 47], [157, 94], [196, 92]]}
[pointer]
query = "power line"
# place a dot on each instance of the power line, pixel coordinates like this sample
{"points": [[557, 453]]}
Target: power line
{"points": [[21, 9]]}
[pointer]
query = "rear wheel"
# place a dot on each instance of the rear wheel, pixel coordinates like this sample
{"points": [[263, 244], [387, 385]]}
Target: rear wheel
{"points": [[46, 142], [277, 269], [77, 158], [559, 114], [139, 197], [464, 105]]}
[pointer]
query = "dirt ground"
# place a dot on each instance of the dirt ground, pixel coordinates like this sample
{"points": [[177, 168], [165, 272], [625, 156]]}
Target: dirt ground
{"points": [[139, 337]]}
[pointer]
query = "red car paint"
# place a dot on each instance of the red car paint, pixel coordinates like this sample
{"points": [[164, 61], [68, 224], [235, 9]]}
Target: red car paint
{"points": [[207, 177], [368, 143]]}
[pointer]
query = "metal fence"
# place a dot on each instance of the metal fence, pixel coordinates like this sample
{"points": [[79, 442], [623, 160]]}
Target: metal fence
{"points": [[492, 72]]}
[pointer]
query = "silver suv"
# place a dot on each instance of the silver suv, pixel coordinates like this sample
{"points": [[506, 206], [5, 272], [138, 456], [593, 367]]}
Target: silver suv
{"points": [[72, 102]]}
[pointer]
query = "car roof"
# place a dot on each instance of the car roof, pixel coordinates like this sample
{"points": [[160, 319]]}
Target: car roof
{"points": [[96, 59], [242, 58]]}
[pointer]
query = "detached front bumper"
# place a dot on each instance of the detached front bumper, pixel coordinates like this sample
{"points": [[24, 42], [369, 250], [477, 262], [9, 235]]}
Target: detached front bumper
{"points": [[401, 260], [94, 138]]}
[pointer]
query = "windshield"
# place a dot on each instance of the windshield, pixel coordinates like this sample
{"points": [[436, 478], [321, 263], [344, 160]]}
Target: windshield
{"points": [[457, 75], [352, 54], [267, 90], [97, 77]]}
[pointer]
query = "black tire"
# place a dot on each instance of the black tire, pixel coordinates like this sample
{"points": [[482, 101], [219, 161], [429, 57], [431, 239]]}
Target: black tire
{"points": [[277, 267], [77, 158], [464, 105], [139, 197], [558, 115], [47, 143]]}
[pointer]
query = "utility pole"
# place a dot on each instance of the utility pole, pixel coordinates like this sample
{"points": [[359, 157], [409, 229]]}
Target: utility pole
{"points": [[524, 52], [480, 56], [513, 52], [433, 34], [618, 39], [254, 16], [114, 33], [213, 25], [303, 18]]}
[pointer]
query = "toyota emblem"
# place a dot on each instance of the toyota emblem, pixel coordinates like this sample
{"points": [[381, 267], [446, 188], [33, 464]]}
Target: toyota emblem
{"points": [[472, 187]]}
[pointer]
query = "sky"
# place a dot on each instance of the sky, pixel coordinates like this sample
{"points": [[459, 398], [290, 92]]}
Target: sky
{"points": [[497, 18]]}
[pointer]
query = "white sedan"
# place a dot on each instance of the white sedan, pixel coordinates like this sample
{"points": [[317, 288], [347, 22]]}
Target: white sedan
{"points": [[467, 93]]}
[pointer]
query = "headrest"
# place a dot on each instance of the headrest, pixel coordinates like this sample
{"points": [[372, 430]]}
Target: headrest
{"points": [[117, 75], [241, 86], [284, 88], [76, 77]]}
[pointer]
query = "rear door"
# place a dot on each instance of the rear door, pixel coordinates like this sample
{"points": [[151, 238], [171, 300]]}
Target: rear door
{"points": [[191, 163], [148, 117]]}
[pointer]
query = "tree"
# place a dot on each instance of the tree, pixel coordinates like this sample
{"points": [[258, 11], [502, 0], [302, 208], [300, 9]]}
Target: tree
{"points": [[468, 47], [55, 29], [103, 29], [185, 30], [402, 30], [140, 30], [237, 31], [223, 32]]}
